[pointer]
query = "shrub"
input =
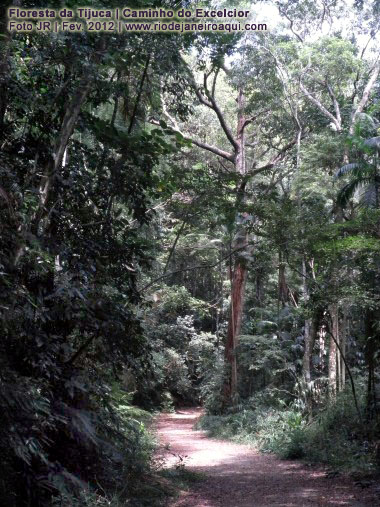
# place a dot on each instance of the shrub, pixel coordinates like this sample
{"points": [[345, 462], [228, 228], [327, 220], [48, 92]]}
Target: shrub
{"points": [[335, 437]]}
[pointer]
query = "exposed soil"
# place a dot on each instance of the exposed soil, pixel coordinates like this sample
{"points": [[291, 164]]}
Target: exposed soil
{"points": [[237, 475]]}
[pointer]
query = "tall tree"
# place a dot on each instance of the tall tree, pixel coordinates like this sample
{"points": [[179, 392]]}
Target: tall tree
{"points": [[240, 248]]}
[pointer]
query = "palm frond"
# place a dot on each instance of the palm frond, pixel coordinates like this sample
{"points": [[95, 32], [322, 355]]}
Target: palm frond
{"points": [[373, 142], [360, 169], [348, 191], [369, 196], [346, 169]]}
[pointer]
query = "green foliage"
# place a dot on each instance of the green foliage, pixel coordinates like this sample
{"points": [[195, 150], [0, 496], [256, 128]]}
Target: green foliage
{"points": [[335, 436], [270, 430], [211, 386], [322, 151], [183, 356], [349, 244], [334, 58], [364, 172], [281, 432], [177, 300], [77, 179], [117, 235]]}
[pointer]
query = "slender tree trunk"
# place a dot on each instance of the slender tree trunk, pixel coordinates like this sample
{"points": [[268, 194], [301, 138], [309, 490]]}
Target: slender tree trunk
{"points": [[237, 158], [338, 363], [370, 350], [311, 326], [343, 340], [259, 289], [310, 333], [333, 352], [282, 285], [52, 168], [322, 347]]}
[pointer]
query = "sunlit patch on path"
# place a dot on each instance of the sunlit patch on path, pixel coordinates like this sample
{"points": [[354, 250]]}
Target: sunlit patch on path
{"points": [[237, 475]]}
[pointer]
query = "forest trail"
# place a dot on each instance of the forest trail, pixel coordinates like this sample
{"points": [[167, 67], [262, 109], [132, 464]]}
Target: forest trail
{"points": [[238, 476]]}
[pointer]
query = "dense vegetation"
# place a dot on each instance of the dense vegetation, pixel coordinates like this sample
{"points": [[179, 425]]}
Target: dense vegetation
{"points": [[184, 220]]}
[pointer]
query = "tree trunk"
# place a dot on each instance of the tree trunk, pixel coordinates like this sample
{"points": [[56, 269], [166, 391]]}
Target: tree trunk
{"points": [[234, 324], [311, 329], [38, 222], [259, 288], [343, 331], [310, 336], [338, 363], [310, 333], [370, 350], [239, 274], [282, 285], [237, 158], [53, 167], [333, 351]]}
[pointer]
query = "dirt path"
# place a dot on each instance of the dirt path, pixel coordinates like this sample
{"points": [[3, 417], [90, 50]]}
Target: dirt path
{"points": [[237, 476]]}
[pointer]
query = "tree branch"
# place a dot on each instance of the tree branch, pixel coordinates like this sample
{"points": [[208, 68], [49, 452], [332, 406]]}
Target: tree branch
{"points": [[213, 149], [335, 102], [372, 36], [366, 93], [283, 13], [214, 82], [81, 349], [171, 252], [276, 158], [321, 107], [143, 77], [247, 121], [211, 103], [219, 114]]}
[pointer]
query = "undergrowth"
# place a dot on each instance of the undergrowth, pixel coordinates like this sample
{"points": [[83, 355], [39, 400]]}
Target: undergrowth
{"points": [[182, 479], [135, 479], [334, 437]]}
